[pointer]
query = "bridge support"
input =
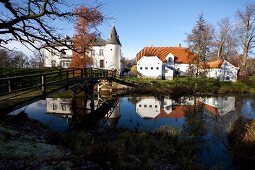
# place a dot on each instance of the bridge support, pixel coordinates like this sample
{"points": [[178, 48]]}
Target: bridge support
{"points": [[104, 88]]}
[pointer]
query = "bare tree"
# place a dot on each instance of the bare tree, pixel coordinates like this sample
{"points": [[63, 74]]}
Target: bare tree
{"points": [[13, 59], [32, 22], [37, 60], [3, 58], [246, 33], [200, 40], [224, 40]]}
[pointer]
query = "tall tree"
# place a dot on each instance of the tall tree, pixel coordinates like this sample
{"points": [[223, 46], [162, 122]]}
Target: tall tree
{"points": [[4, 58], [246, 33], [32, 22], [200, 40], [84, 38], [224, 40]]}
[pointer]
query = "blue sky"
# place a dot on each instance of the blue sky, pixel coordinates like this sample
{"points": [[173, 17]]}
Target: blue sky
{"points": [[141, 23]]}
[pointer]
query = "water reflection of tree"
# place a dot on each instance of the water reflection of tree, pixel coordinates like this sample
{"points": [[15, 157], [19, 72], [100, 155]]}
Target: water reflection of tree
{"points": [[195, 120], [41, 103]]}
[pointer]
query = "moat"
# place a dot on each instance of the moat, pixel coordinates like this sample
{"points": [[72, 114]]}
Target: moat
{"points": [[210, 118]]}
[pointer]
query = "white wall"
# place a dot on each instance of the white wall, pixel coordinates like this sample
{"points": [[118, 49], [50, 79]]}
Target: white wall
{"points": [[222, 104], [150, 66], [97, 57], [148, 107], [112, 56], [182, 67], [61, 59], [58, 105], [227, 72], [169, 74]]}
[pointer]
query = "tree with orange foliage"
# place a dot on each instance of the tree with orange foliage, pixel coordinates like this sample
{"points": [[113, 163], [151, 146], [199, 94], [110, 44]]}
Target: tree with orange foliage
{"points": [[84, 38]]}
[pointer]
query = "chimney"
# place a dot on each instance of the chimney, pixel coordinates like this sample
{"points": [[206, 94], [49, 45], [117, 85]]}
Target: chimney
{"points": [[180, 45]]}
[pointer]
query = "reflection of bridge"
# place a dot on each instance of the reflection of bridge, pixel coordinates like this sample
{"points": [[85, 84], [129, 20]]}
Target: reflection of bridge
{"points": [[15, 90], [81, 113]]}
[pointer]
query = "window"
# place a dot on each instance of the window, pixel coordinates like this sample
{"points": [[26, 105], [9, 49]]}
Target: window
{"points": [[151, 68], [170, 61], [101, 64], [55, 106], [150, 106], [63, 107], [168, 107], [146, 68], [156, 106], [93, 53], [145, 105], [101, 52], [53, 63], [141, 68], [157, 68], [51, 52], [140, 105], [65, 64]]}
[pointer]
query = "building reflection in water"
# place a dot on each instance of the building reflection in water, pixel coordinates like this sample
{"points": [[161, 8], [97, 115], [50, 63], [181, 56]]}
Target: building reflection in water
{"points": [[59, 107], [151, 107], [62, 107], [146, 107]]}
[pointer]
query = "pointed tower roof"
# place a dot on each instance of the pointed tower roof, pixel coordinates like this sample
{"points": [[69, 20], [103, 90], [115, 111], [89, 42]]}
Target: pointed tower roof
{"points": [[113, 38]]}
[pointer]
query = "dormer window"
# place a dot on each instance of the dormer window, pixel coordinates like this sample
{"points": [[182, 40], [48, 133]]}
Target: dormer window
{"points": [[170, 60], [93, 53], [101, 52]]}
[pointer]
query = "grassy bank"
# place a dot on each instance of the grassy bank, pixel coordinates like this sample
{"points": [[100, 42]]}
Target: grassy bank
{"points": [[242, 143], [123, 149], [184, 86]]}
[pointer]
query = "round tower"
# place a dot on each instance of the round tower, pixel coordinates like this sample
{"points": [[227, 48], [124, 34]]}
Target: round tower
{"points": [[113, 51]]}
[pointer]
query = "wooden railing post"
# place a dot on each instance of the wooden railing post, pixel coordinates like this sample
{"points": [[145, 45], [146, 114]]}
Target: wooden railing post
{"points": [[82, 76], [9, 86], [67, 79], [73, 72], [60, 73], [85, 73], [43, 84]]}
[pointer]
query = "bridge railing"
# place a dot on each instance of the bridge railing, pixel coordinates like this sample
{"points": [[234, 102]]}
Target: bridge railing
{"points": [[42, 80], [15, 84], [96, 73]]}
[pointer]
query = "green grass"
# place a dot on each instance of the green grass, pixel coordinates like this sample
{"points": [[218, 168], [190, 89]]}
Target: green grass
{"points": [[182, 86], [125, 149]]}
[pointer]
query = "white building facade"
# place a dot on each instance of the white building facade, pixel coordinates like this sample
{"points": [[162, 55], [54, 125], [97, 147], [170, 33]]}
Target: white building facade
{"points": [[167, 62], [105, 54], [225, 71]]}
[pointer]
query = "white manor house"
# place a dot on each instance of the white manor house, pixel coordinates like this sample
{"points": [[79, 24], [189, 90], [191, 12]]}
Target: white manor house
{"points": [[105, 54], [164, 62]]}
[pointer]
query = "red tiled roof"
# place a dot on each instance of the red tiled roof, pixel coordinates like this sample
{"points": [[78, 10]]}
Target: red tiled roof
{"points": [[178, 112], [212, 64], [182, 55], [209, 108]]}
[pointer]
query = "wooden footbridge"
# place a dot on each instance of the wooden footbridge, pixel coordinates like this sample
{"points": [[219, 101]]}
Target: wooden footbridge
{"points": [[15, 90]]}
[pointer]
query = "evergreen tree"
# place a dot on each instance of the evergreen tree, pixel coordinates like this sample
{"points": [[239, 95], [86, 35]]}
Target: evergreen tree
{"points": [[200, 40]]}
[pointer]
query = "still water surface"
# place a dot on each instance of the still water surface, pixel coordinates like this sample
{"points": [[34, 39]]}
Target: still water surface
{"points": [[216, 117]]}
